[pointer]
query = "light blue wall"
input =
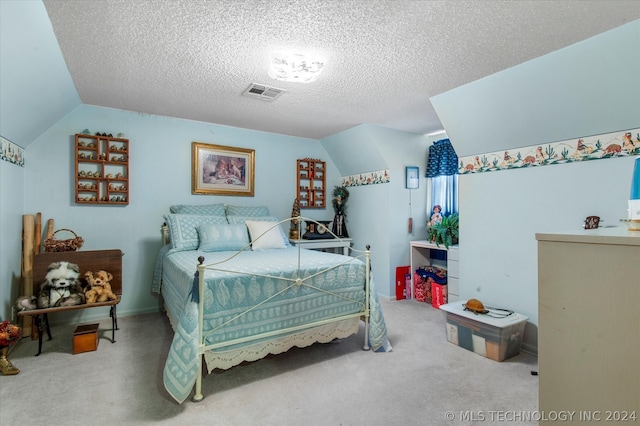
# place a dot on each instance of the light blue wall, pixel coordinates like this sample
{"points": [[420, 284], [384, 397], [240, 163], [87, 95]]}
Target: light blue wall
{"points": [[11, 205], [378, 214], [36, 92], [502, 212], [160, 175], [354, 152], [35, 83], [589, 88], [585, 89]]}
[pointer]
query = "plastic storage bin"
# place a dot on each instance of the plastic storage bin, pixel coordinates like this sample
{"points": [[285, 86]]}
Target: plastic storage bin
{"points": [[494, 338]]}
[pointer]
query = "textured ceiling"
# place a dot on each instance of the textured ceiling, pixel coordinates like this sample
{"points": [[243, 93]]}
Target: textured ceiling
{"points": [[383, 59]]}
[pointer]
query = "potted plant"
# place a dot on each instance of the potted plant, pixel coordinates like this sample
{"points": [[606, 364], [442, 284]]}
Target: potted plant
{"points": [[446, 231]]}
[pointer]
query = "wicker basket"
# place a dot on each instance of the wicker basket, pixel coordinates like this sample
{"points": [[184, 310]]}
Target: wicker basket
{"points": [[72, 244]]}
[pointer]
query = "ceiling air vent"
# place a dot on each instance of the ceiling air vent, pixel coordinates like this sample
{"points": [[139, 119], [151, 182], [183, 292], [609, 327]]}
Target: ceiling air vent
{"points": [[263, 92]]}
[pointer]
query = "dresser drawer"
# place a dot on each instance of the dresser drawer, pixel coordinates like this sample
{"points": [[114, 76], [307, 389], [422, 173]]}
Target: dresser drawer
{"points": [[453, 269], [453, 253], [454, 285]]}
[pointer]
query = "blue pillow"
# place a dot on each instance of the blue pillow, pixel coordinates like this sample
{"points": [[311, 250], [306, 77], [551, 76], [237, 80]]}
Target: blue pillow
{"points": [[206, 209], [215, 237], [253, 211], [183, 229]]}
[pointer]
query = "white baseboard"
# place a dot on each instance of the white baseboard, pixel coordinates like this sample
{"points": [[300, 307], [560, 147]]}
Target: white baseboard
{"points": [[530, 349]]}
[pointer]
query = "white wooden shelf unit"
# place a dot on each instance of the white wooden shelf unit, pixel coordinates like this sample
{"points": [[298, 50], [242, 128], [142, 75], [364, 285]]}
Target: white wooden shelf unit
{"points": [[420, 253]]}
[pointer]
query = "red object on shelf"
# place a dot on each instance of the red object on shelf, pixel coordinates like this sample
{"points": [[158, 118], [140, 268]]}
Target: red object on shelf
{"points": [[439, 294], [401, 281]]}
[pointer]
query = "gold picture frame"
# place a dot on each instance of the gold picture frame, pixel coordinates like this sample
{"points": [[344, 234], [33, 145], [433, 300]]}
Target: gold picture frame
{"points": [[222, 170]]}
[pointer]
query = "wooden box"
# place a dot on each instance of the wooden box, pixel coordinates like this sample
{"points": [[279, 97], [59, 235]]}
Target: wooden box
{"points": [[85, 338]]}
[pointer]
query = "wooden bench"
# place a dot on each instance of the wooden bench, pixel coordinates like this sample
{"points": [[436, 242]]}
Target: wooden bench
{"points": [[107, 260]]}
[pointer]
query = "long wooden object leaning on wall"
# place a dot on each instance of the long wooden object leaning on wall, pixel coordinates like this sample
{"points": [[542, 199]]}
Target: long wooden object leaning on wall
{"points": [[28, 253]]}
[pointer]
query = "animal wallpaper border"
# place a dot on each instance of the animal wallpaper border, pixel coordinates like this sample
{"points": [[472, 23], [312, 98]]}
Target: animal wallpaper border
{"points": [[598, 147], [11, 152], [368, 178]]}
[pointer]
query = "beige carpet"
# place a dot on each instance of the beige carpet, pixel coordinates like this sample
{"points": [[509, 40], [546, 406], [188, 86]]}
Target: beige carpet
{"points": [[424, 381]]}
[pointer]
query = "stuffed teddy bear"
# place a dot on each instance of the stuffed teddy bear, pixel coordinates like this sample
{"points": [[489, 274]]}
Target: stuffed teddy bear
{"points": [[99, 289], [62, 286]]}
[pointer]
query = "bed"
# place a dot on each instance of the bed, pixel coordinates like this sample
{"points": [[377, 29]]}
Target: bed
{"points": [[235, 290]]}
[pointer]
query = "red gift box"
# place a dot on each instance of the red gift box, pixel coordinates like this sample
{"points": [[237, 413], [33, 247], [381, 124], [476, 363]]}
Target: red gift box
{"points": [[401, 281], [439, 294], [422, 288]]}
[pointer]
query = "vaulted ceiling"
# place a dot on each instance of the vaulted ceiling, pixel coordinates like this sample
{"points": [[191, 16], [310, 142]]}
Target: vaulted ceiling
{"points": [[383, 59]]}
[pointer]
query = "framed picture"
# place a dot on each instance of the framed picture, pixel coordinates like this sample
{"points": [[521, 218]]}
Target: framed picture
{"points": [[412, 177], [222, 170]]}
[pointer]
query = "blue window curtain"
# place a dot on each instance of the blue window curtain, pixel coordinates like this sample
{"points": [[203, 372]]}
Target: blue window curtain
{"points": [[442, 169]]}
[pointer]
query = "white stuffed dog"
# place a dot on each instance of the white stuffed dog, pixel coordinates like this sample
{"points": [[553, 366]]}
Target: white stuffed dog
{"points": [[62, 286]]}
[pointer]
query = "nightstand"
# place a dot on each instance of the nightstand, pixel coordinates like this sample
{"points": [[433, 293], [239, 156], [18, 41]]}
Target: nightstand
{"points": [[329, 243]]}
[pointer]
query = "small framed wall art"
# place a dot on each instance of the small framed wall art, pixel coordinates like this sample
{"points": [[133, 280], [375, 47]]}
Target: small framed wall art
{"points": [[222, 170], [413, 181]]}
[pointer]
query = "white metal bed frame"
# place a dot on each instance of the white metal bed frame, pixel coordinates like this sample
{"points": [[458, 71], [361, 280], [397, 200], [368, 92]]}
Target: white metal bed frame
{"points": [[290, 333]]}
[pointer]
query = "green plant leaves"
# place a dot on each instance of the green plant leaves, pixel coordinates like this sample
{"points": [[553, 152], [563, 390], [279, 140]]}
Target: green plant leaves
{"points": [[446, 232]]}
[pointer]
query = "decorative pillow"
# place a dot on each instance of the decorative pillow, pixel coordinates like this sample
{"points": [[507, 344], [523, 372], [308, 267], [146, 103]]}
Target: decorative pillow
{"points": [[214, 237], [207, 209], [244, 219], [256, 211], [264, 235], [183, 228]]}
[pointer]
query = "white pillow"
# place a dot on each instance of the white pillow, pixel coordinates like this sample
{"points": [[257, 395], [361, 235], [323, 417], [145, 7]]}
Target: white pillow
{"points": [[265, 235], [243, 219]]}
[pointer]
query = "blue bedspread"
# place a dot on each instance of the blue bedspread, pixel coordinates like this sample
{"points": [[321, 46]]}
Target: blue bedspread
{"points": [[230, 299]]}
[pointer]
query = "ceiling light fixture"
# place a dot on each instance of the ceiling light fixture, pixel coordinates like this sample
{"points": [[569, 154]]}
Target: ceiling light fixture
{"points": [[296, 67], [437, 132]]}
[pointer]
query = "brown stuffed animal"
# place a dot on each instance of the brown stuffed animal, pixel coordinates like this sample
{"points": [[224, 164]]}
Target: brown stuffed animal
{"points": [[99, 289]]}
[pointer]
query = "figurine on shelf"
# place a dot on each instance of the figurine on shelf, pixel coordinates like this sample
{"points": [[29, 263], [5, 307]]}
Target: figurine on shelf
{"points": [[436, 216], [294, 232], [340, 197]]}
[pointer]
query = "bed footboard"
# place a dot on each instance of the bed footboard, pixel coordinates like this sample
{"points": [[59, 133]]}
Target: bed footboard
{"points": [[305, 330], [299, 281]]}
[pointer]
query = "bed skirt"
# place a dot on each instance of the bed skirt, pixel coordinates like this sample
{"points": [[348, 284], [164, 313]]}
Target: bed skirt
{"points": [[320, 334]]}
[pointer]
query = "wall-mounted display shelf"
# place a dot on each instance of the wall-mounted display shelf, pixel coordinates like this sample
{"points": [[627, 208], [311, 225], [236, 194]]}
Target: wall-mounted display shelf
{"points": [[311, 183], [101, 169]]}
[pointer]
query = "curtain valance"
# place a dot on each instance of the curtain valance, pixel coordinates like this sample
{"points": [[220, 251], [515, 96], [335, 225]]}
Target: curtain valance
{"points": [[443, 160]]}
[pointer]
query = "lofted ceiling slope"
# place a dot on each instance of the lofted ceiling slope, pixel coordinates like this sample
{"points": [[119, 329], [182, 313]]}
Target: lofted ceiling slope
{"points": [[383, 59]]}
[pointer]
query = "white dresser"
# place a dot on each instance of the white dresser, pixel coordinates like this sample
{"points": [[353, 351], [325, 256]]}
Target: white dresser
{"points": [[420, 253], [589, 322]]}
